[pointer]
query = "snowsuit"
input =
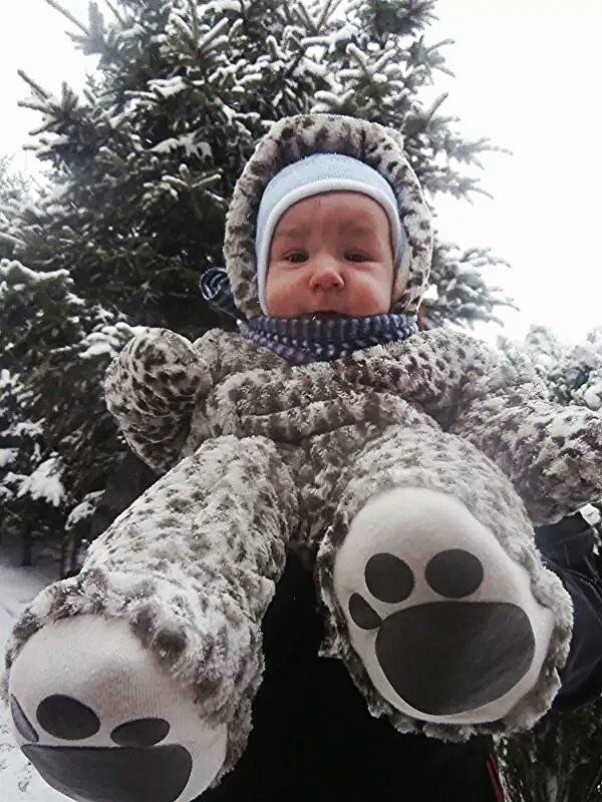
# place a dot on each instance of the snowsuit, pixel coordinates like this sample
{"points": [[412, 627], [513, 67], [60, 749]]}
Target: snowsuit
{"points": [[261, 457]]}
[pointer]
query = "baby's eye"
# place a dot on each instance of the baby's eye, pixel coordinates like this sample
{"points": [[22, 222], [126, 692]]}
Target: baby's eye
{"points": [[353, 256], [290, 256]]}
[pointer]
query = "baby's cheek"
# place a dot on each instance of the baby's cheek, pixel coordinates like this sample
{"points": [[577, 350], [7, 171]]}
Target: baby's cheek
{"points": [[371, 297], [281, 295], [271, 289]]}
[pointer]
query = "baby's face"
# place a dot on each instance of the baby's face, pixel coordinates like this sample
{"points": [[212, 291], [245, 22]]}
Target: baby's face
{"points": [[331, 253]]}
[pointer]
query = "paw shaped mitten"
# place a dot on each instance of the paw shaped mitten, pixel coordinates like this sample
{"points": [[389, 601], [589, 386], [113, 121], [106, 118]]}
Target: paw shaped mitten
{"points": [[442, 618], [99, 718]]}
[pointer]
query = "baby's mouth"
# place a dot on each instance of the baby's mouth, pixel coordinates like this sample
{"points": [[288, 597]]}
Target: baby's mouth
{"points": [[323, 315]]}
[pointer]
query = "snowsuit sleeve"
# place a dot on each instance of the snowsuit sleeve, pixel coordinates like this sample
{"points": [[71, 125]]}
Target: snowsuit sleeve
{"points": [[551, 453], [151, 389]]}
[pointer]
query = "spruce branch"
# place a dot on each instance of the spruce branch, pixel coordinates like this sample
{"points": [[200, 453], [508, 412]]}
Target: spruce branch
{"points": [[10, 239], [304, 14], [195, 22], [212, 37], [353, 51], [430, 113], [115, 13], [47, 127], [442, 43], [94, 41], [235, 28], [291, 69], [41, 93], [29, 104], [57, 7], [330, 6]]}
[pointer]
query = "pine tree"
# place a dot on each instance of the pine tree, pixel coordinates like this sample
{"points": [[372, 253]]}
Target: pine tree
{"points": [[559, 760], [30, 486], [14, 190], [31, 491], [142, 168]]}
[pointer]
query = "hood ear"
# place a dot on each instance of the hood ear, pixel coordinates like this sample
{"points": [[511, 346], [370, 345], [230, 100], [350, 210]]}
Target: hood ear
{"points": [[293, 138]]}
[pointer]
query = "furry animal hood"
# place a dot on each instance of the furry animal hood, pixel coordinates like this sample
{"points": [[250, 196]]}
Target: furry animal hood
{"points": [[293, 138]]}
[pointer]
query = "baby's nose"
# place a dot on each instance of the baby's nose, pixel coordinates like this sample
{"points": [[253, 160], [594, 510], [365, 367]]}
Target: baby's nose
{"points": [[327, 275]]}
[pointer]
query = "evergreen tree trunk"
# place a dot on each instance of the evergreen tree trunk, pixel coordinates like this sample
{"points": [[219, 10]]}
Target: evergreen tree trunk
{"points": [[27, 542]]}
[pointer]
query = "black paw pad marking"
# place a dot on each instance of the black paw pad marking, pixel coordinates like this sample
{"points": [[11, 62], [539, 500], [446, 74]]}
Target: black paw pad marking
{"points": [[22, 723], [444, 657], [361, 612], [142, 732], [389, 578], [67, 718], [135, 770], [454, 573]]}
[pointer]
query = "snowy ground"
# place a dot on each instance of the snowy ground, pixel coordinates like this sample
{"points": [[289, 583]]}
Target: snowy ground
{"points": [[18, 780]]}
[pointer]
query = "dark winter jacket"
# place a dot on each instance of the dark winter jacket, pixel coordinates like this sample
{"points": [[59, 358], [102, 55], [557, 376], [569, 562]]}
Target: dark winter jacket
{"points": [[337, 751], [568, 550]]}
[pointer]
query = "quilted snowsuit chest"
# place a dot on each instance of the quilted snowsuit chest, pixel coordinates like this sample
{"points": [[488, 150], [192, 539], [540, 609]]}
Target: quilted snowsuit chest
{"points": [[323, 416], [291, 404]]}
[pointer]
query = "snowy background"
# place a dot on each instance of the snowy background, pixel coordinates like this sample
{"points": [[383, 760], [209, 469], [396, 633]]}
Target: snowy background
{"points": [[526, 76]]}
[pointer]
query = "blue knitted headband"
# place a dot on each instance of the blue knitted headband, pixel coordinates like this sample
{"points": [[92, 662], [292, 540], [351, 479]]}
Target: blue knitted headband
{"points": [[320, 172]]}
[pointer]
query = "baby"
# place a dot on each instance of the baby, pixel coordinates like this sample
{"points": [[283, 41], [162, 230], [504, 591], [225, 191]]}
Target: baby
{"points": [[409, 466]]}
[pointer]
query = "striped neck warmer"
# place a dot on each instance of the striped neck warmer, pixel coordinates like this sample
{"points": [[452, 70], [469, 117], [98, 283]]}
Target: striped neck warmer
{"points": [[304, 340]]}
